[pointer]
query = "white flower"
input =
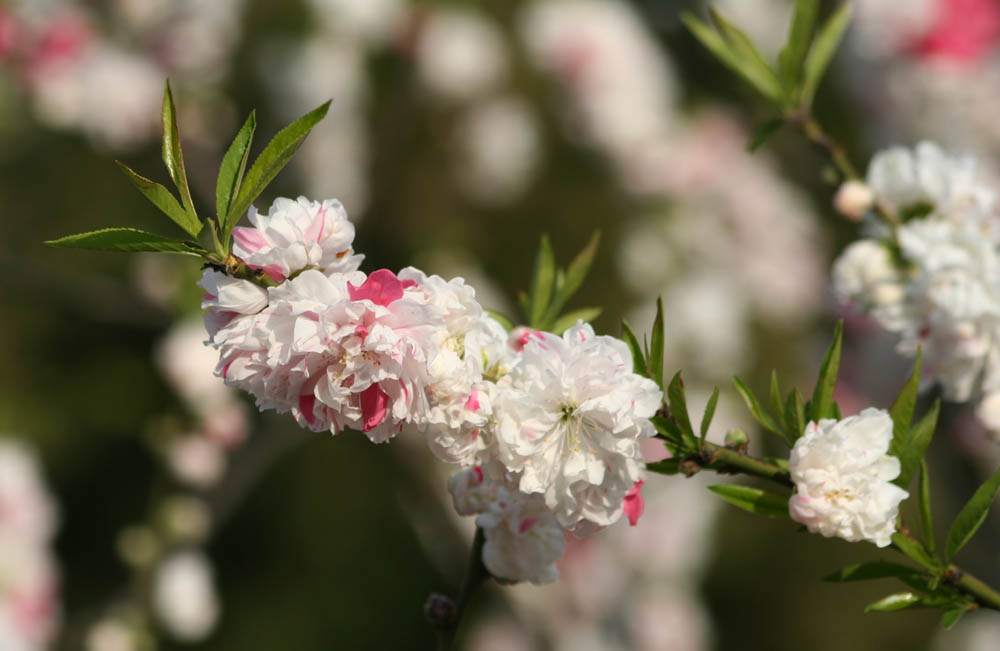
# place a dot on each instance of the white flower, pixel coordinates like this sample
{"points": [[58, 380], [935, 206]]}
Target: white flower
{"points": [[226, 298], [843, 476], [523, 537], [184, 596], [460, 54], [903, 179], [295, 235], [571, 414], [865, 274]]}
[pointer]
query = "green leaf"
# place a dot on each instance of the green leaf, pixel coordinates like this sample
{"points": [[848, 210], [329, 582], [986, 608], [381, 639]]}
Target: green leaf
{"points": [[638, 359], [914, 551], [800, 32], [776, 404], [678, 409], [898, 601], [568, 284], [795, 416], [706, 420], [503, 320], [755, 68], [763, 132], [951, 617], [902, 410], [272, 160], [972, 515], [762, 417], [669, 466], [926, 523], [127, 239], [542, 281], [669, 430], [234, 164], [655, 360], [173, 157], [162, 199], [916, 445], [568, 320], [753, 500], [822, 398], [869, 571], [822, 51], [764, 83]]}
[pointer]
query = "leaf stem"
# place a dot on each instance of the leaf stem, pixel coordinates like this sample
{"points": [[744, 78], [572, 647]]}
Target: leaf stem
{"points": [[728, 460], [984, 595]]}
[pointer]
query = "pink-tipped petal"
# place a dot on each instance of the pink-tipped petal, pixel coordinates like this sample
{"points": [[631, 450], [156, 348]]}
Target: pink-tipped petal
{"points": [[381, 288], [526, 525], [374, 406], [250, 239], [315, 231], [307, 405], [472, 404], [633, 503]]}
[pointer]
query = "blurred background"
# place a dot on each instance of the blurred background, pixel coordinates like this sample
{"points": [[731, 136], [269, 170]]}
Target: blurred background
{"points": [[151, 508]]}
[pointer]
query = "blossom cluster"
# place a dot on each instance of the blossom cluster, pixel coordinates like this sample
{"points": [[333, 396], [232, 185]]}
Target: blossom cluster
{"points": [[548, 425], [934, 279], [28, 580]]}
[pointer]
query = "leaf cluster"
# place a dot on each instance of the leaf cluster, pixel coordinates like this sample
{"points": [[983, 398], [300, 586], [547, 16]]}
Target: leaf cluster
{"points": [[236, 190], [552, 287], [790, 83]]}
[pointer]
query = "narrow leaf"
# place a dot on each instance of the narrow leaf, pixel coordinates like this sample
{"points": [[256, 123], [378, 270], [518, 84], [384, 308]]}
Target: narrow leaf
{"points": [[162, 199], [898, 601], [800, 32], [655, 361], [869, 571], [972, 515], [503, 320], [127, 239], [173, 157], [272, 160], [574, 277], [706, 420], [916, 445], [763, 132], [234, 164], [902, 411], [568, 320], [822, 51], [542, 281], [638, 359], [795, 415], [762, 417], [669, 430], [753, 500], [678, 408], [926, 522], [776, 404], [914, 551], [951, 617], [727, 56], [755, 68], [669, 466], [822, 398]]}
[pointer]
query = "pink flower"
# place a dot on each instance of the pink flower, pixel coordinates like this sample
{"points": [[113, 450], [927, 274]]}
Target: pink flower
{"points": [[964, 31]]}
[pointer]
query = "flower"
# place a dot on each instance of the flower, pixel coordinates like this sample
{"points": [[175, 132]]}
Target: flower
{"points": [[523, 537], [184, 596], [295, 235], [571, 414], [843, 476]]}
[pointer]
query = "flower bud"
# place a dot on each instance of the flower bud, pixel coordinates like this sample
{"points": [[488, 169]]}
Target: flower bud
{"points": [[736, 438], [853, 200]]}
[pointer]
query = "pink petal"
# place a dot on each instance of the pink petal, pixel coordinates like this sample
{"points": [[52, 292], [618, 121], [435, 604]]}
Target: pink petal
{"points": [[315, 230], [307, 405], [374, 405], [381, 288], [633, 503], [472, 404], [527, 524], [250, 239]]}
